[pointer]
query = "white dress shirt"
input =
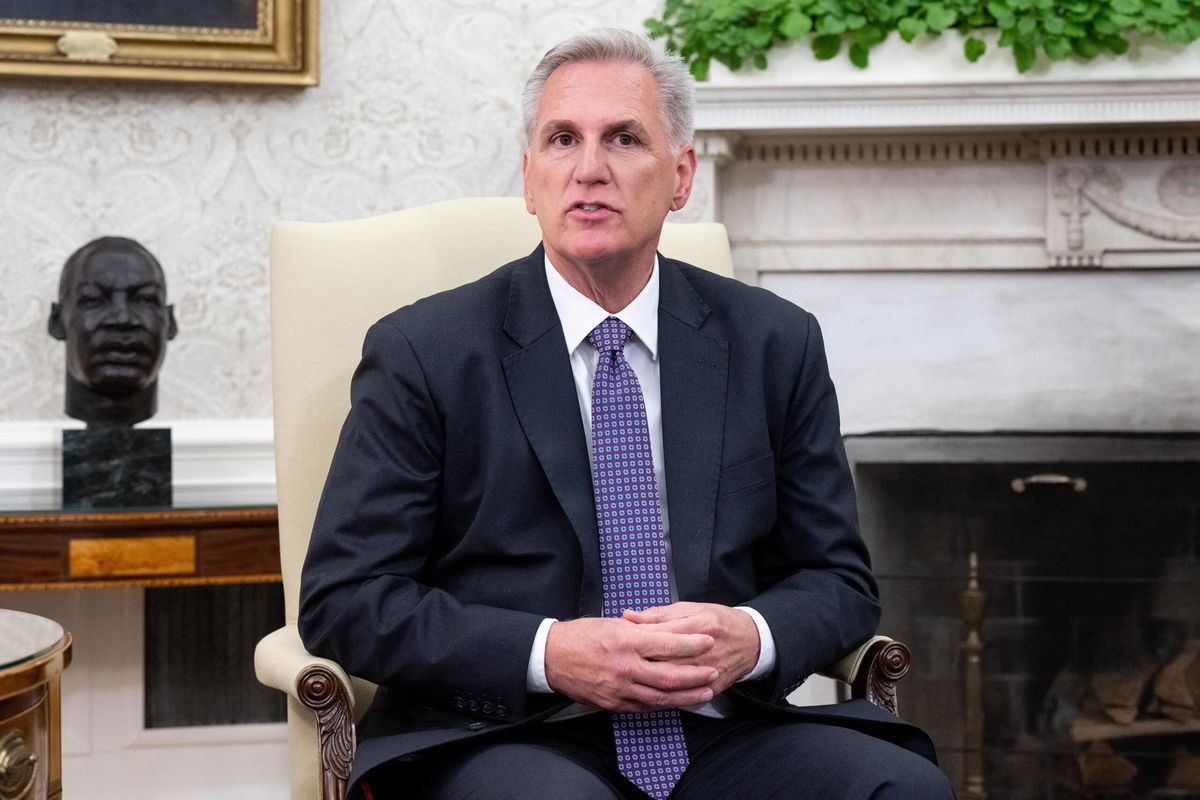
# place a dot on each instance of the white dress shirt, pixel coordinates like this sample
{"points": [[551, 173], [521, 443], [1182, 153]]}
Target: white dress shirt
{"points": [[579, 315]]}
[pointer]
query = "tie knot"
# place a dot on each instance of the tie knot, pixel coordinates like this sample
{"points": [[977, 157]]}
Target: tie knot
{"points": [[610, 336]]}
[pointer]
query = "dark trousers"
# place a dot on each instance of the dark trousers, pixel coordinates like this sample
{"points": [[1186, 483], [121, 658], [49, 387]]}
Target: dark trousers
{"points": [[730, 759]]}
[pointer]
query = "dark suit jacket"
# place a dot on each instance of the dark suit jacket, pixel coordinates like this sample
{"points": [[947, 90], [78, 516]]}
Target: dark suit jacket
{"points": [[458, 511]]}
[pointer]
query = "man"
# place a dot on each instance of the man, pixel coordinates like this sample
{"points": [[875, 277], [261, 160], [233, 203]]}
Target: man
{"points": [[113, 314], [595, 488]]}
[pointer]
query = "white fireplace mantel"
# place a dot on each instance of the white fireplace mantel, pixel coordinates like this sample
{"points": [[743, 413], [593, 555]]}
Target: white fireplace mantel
{"points": [[930, 86]]}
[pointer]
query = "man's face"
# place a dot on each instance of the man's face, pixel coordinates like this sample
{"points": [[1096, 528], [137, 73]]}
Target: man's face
{"points": [[116, 322], [599, 172]]}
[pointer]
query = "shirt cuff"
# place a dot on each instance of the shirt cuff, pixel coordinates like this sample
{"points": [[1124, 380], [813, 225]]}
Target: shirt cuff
{"points": [[766, 647], [535, 675]]}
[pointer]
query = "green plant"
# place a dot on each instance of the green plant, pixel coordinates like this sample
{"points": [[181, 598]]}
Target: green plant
{"points": [[735, 32]]}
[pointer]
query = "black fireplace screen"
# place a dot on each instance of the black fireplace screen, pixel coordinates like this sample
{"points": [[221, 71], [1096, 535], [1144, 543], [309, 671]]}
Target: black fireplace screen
{"points": [[1091, 663]]}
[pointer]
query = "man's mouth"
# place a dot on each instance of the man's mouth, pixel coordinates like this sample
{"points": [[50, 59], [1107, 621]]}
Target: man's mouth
{"points": [[121, 352], [591, 208]]}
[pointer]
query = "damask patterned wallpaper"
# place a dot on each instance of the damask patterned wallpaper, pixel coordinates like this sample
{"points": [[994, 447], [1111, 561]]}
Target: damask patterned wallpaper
{"points": [[417, 103]]}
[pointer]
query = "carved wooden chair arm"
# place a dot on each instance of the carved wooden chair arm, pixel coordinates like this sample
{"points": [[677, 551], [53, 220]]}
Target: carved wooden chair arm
{"points": [[873, 670], [320, 685]]}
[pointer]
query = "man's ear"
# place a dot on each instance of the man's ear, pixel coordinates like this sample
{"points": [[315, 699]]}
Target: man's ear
{"points": [[55, 324], [172, 328], [685, 173], [525, 177]]}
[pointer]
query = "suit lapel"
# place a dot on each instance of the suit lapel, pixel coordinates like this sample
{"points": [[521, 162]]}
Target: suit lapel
{"points": [[694, 368], [542, 389]]}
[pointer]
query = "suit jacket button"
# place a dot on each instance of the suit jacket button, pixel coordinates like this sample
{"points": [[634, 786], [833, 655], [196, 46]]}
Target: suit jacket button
{"points": [[476, 726]]}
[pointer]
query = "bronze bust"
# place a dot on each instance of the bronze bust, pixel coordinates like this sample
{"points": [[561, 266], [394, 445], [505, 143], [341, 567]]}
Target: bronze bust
{"points": [[113, 314]]}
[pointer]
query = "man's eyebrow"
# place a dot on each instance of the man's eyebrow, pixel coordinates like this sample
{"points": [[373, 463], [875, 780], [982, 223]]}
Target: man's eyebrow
{"points": [[558, 125], [627, 125], [630, 124]]}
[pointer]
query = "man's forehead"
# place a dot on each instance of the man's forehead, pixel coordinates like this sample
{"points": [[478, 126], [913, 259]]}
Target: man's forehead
{"points": [[118, 267], [610, 89]]}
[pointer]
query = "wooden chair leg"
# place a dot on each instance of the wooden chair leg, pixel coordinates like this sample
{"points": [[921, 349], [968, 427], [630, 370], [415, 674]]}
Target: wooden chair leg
{"points": [[884, 665], [320, 690]]}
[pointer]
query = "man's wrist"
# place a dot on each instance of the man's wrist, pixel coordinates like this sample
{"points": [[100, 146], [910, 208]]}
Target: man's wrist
{"points": [[766, 646], [535, 674]]}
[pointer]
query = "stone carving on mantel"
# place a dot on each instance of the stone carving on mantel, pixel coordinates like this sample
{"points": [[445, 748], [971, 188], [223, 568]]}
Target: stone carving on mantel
{"points": [[1123, 213]]}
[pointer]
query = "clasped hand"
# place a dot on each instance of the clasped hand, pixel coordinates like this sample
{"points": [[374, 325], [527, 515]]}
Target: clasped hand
{"points": [[665, 657]]}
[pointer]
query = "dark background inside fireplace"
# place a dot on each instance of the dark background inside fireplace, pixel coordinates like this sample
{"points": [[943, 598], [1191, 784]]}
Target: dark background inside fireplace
{"points": [[1078, 583]]}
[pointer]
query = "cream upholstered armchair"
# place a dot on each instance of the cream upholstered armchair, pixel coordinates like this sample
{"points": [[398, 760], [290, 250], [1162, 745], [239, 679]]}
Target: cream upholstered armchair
{"points": [[329, 282]]}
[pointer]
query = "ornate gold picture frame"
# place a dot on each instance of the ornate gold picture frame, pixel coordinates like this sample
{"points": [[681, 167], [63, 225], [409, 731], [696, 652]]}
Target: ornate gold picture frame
{"points": [[225, 41]]}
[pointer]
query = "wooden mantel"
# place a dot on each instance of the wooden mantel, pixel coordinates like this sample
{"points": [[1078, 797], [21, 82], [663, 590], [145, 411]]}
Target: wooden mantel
{"points": [[161, 547]]}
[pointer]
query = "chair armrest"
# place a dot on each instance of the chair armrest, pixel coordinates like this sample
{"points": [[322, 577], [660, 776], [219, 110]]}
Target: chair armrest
{"points": [[873, 670], [281, 662], [280, 659]]}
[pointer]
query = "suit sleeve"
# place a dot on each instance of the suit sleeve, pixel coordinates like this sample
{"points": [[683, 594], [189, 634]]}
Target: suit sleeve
{"points": [[362, 599], [819, 597]]}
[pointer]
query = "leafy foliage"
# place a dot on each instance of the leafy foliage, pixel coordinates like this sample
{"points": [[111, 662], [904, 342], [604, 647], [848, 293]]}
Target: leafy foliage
{"points": [[735, 32]]}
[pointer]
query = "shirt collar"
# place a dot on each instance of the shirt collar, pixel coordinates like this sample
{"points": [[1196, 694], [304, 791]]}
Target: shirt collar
{"points": [[580, 314]]}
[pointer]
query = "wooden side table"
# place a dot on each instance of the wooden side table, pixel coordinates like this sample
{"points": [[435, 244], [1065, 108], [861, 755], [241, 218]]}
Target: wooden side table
{"points": [[33, 653]]}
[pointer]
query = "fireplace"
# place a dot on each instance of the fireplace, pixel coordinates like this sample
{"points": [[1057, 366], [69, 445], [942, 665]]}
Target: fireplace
{"points": [[1087, 549], [1001, 256]]}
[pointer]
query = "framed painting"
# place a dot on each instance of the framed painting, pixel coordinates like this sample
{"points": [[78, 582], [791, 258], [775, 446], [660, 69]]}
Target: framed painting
{"points": [[227, 41]]}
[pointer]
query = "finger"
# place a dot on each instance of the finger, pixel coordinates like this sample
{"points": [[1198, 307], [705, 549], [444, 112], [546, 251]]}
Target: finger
{"points": [[696, 624], [643, 698], [669, 677], [642, 617], [668, 646], [660, 613]]}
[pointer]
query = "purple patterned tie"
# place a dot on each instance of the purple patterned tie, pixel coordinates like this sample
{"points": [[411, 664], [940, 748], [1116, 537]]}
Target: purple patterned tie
{"points": [[651, 751]]}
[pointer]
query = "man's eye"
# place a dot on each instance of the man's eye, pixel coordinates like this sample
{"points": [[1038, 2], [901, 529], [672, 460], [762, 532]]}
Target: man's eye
{"points": [[626, 139], [150, 298], [562, 138], [89, 300]]}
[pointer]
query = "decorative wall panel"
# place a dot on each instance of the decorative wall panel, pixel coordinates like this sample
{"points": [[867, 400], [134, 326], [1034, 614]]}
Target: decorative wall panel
{"points": [[417, 103]]}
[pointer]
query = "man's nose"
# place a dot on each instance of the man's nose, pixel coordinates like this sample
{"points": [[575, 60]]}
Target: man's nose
{"points": [[592, 164], [118, 310]]}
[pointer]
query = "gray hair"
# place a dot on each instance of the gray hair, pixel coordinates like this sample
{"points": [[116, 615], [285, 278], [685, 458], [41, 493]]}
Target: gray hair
{"points": [[675, 86]]}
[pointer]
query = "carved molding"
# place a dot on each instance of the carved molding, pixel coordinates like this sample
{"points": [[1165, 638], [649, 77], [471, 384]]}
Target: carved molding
{"points": [[886, 664], [798, 148], [1147, 222], [320, 690], [1120, 199], [1158, 199], [719, 147]]}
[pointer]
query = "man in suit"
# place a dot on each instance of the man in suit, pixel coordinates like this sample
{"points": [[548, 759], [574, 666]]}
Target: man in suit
{"points": [[589, 521]]}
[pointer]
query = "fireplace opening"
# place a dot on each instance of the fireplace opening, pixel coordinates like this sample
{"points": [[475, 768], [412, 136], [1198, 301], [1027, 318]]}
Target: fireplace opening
{"points": [[1085, 553]]}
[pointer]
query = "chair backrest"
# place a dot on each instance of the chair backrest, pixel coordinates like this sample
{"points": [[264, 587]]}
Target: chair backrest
{"points": [[330, 281]]}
